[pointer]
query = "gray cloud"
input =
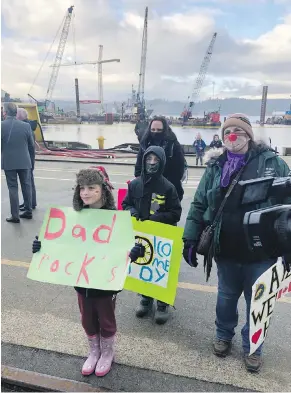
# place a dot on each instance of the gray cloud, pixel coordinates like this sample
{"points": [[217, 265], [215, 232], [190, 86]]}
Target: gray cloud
{"points": [[176, 46]]}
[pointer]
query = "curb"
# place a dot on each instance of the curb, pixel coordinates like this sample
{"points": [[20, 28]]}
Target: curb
{"points": [[42, 382], [85, 161]]}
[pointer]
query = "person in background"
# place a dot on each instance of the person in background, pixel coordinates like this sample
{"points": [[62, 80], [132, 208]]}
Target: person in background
{"points": [[97, 307], [216, 143], [17, 156], [152, 197], [160, 134], [237, 266], [199, 146], [22, 115], [141, 127]]}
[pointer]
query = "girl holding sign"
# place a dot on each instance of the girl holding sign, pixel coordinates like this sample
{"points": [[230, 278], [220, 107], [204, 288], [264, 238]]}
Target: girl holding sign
{"points": [[97, 307]]}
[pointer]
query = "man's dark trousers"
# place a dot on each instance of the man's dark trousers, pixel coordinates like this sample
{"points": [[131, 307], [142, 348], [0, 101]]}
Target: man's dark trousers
{"points": [[12, 184]]}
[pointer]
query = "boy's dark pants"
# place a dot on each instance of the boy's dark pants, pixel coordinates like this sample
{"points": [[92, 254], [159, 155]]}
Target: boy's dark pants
{"points": [[158, 301]]}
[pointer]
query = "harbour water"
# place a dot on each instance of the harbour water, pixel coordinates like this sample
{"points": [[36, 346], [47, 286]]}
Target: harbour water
{"points": [[117, 134]]}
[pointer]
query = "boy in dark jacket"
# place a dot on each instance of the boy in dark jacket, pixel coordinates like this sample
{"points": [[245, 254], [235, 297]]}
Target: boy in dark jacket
{"points": [[152, 197]]}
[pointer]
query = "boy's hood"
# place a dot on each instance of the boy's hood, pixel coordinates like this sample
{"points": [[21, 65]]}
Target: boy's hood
{"points": [[160, 153]]}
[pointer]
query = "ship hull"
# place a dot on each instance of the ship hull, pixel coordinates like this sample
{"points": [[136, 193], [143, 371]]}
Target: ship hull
{"points": [[214, 126]]}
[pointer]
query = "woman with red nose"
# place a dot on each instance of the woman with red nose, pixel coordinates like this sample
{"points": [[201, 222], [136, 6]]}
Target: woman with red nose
{"points": [[237, 266]]}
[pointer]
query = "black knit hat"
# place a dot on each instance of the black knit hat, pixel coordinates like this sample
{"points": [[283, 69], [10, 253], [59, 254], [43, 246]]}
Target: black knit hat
{"points": [[88, 177]]}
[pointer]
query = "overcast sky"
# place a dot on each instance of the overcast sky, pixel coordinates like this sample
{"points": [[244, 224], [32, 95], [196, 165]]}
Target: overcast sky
{"points": [[253, 47]]}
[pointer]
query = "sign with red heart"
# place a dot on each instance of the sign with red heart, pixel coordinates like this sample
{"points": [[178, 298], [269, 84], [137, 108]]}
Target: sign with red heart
{"points": [[267, 289], [256, 336]]}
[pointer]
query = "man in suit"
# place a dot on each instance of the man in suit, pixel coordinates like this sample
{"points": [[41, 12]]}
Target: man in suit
{"points": [[17, 156], [23, 116]]}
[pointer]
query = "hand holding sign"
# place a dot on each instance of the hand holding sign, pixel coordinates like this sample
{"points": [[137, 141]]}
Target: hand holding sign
{"points": [[138, 251], [87, 248], [156, 273], [36, 245]]}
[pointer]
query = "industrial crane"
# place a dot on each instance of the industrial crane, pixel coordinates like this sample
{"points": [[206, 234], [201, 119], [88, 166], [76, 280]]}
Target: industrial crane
{"points": [[59, 55], [200, 79], [140, 93], [100, 61]]}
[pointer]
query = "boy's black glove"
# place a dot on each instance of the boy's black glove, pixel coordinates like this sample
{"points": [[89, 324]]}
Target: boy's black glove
{"points": [[138, 218], [135, 214], [141, 219], [36, 245], [138, 251], [189, 254], [156, 217]]}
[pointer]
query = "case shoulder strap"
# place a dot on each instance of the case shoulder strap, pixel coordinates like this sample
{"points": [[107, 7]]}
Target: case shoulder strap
{"points": [[229, 191]]}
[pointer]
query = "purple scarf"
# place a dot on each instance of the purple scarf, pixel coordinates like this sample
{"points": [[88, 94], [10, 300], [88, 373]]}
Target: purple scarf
{"points": [[233, 164]]}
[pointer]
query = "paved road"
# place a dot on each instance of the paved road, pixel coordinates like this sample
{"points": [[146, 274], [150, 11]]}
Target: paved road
{"points": [[121, 158], [45, 318]]}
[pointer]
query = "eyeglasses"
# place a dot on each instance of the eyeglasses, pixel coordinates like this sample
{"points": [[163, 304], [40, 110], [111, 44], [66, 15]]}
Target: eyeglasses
{"points": [[157, 130], [237, 131]]}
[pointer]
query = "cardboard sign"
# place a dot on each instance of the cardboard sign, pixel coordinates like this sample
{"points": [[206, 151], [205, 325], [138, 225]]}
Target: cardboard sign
{"points": [[87, 249], [268, 288], [156, 275]]}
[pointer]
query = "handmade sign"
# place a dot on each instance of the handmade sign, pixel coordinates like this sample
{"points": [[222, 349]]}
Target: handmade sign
{"points": [[87, 249], [269, 287], [156, 274]]}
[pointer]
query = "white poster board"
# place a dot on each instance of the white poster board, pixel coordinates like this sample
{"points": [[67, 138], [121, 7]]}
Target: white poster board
{"points": [[268, 288]]}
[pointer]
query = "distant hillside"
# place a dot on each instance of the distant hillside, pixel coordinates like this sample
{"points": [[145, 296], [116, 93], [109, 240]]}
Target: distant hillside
{"points": [[172, 108]]}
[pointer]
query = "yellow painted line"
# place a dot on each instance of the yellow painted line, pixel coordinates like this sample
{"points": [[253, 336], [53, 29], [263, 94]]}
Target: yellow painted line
{"points": [[15, 263], [197, 287], [182, 285]]}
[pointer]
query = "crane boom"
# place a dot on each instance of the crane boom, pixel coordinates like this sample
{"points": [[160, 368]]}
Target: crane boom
{"points": [[59, 55], [201, 76], [88, 62], [141, 84]]}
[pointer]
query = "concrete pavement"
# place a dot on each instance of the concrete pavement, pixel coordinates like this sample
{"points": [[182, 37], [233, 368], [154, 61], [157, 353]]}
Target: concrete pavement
{"points": [[44, 319], [128, 159]]}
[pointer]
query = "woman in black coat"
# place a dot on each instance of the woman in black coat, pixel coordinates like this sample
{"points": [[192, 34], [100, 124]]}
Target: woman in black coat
{"points": [[160, 134]]}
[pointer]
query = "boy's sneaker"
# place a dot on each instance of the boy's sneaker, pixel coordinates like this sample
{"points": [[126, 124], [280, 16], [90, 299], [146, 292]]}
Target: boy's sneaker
{"points": [[253, 362], [221, 348], [162, 313], [145, 306]]}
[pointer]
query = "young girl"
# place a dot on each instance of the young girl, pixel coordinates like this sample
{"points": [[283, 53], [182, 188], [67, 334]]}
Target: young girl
{"points": [[97, 307]]}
